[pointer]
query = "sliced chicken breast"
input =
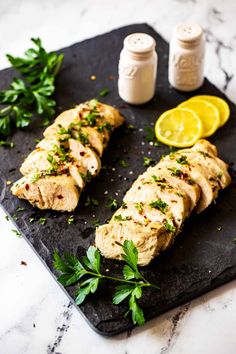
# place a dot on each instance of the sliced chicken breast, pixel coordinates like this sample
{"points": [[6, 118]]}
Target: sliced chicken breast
{"points": [[149, 239], [51, 192], [146, 190], [183, 183], [199, 174], [165, 194]]}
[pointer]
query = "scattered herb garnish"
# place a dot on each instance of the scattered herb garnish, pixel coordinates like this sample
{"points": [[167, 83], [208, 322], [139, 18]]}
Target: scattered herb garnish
{"points": [[70, 220], [96, 222], [234, 240], [16, 232], [119, 217], [86, 178], [151, 137], [42, 221], [158, 179], [87, 275], [83, 138], [150, 134], [8, 144], [123, 163], [159, 204], [130, 127], [7, 217], [32, 91], [139, 207], [170, 227], [91, 201], [112, 204], [182, 160], [35, 177], [32, 219], [148, 161], [19, 209], [104, 92], [176, 172], [105, 125], [173, 148]]}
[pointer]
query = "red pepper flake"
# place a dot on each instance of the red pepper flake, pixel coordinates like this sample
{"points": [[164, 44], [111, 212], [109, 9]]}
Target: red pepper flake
{"points": [[82, 153], [27, 186], [23, 263], [60, 196]]}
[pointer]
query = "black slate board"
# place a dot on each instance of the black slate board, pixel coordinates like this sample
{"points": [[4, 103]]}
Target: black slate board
{"points": [[202, 257]]}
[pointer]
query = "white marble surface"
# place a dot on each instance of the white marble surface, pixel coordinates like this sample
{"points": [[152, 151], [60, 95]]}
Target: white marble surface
{"points": [[35, 314]]}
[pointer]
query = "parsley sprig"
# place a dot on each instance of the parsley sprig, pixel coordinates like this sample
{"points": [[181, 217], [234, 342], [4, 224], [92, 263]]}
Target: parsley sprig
{"points": [[88, 276], [32, 91]]}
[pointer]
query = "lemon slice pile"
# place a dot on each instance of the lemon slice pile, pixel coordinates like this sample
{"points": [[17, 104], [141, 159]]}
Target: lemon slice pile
{"points": [[196, 118]]}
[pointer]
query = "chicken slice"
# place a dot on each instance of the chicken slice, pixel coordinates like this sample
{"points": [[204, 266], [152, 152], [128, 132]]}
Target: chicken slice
{"points": [[149, 239], [217, 170], [199, 174], [51, 192], [145, 190], [69, 122], [85, 156], [182, 183], [36, 161], [206, 146]]}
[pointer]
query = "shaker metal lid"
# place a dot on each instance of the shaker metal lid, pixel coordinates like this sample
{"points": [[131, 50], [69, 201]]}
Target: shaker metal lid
{"points": [[188, 32], [139, 43]]}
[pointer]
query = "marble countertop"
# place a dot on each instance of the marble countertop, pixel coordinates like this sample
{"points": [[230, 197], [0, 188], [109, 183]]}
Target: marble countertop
{"points": [[35, 314]]}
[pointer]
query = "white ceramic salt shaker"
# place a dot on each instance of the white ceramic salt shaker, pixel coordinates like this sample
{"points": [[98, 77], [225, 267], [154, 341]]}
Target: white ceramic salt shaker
{"points": [[137, 69], [186, 57]]}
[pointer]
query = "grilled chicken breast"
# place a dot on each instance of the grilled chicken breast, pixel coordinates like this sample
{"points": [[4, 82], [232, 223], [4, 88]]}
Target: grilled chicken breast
{"points": [[68, 156], [164, 196]]}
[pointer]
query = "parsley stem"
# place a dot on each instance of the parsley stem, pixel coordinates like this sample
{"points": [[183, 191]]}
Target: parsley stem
{"points": [[4, 110], [144, 283]]}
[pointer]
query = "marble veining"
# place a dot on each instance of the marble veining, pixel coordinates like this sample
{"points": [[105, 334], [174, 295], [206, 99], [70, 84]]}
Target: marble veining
{"points": [[36, 315]]}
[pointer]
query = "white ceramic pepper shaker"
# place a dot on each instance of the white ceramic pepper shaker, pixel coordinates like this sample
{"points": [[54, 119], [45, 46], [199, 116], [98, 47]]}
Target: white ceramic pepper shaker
{"points": [[186, 57], [137, 69]]}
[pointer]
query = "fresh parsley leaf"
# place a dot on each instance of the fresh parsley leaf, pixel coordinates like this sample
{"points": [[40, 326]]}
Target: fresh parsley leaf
{"points": [[32, 91], [88, 286], [90, 270], [122, 292]]}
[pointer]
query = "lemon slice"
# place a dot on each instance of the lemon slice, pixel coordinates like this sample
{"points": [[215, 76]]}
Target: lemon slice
{"points": [[179, 127], [207, 112], [220, 104]]}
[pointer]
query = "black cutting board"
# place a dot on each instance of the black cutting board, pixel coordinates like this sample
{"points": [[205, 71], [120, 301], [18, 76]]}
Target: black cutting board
{"points": [[202, 257]]}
